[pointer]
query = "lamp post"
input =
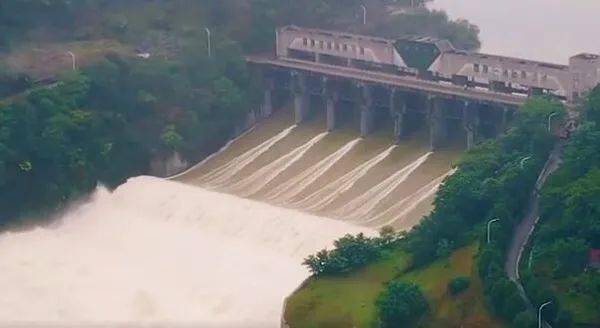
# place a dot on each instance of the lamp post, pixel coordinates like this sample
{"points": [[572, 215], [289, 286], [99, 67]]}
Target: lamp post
{"points": [[550, 120], [364, 8], [73, 59], [523, 160], [489, 225], [540, 314], [208, 40]]}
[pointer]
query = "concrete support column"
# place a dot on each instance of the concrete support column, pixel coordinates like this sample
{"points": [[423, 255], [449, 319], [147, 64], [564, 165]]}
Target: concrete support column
{"points": [[504, 123], [437, 123], [301, 97], [470, 123], [366, 111], [331, 102], [267, 106], [398, 112]]}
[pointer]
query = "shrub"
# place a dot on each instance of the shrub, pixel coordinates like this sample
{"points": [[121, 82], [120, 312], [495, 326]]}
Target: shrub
{"points": [[400, 305], [524, 319], [458, 285], [351, 252]]}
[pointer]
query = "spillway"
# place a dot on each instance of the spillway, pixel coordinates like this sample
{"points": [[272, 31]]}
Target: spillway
{"points": [[222, 243]]}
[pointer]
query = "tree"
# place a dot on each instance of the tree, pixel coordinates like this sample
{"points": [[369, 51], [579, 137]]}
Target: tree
{"points": [[525, 319], [401, 304], [458, 285]]}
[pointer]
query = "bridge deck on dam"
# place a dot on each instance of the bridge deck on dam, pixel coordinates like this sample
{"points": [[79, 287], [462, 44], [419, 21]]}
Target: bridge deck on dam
{"points": [[404, 82]]}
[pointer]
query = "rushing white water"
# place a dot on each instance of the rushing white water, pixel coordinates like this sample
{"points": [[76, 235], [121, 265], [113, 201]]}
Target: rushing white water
{"points": [[361, 206], [325, 196], [155, 251], [259, 179], [291, 188], [549, 30], [222, 175], [405, 206]]}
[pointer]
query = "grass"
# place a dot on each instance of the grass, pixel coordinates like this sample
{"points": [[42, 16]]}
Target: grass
{"points": [[348, 301]]}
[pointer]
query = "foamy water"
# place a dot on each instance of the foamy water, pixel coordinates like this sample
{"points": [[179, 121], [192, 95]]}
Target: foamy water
{"points": [[155, 251]]}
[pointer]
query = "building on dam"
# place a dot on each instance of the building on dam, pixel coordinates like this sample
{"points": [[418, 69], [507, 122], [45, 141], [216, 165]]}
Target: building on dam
{"points": [[410, 83]]}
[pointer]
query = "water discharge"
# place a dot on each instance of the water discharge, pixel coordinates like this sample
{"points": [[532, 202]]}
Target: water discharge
{"points": [[362, 206], [220, 176], [159, 251], [327, 194], [287, 191], [267, 173], [406, 205]]}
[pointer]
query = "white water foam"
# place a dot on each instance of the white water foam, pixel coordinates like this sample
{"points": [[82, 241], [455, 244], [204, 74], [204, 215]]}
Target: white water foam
{"points": [[223, 174], [363, 205], [326, 195], [291, 188], [408, 204], [155, 251], [259, 179], [213, 155]]}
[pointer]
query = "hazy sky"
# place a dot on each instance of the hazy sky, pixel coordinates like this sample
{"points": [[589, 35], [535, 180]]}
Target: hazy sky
{"points": [[549, 30]]}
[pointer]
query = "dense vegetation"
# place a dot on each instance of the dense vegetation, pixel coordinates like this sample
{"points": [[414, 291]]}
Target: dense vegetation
{"points": [[107, 123], [570, 228]]}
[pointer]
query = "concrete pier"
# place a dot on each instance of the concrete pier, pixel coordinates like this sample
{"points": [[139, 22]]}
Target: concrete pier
{"points": [[301, 97], [366, 111], [437, 123]]}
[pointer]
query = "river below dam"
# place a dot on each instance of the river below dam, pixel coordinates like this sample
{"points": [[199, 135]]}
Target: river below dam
{"points": [[222, 244]]}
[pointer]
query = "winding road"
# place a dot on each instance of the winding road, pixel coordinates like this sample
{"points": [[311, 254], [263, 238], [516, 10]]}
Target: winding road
{"points": [[524, 230]]}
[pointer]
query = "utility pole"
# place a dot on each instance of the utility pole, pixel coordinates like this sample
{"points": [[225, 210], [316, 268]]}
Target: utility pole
{"points": [[550, 121], [523, 160], [540, 314], [208, 41], [73, 59], [489, 224], [364, 8]]}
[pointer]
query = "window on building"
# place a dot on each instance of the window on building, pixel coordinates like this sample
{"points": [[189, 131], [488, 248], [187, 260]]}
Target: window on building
{"points": [[476, 68], [523, 74], [486, 69], [362, 50], [353, 48], [337, 46], [305, 41], [505, 73], [321, 44], [312, 42], [514, 74], [329, 45], [345, 47]]}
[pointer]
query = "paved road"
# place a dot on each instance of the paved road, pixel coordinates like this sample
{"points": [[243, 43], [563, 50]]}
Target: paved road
{"points": [[407, 82], [524, 230]]}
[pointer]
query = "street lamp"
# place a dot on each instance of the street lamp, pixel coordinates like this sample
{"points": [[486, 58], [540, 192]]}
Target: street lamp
{"points": [[523, 160], [208, 40], [73, 59], [364, 8], [489, 225], [550, 120], [540, 314]]}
